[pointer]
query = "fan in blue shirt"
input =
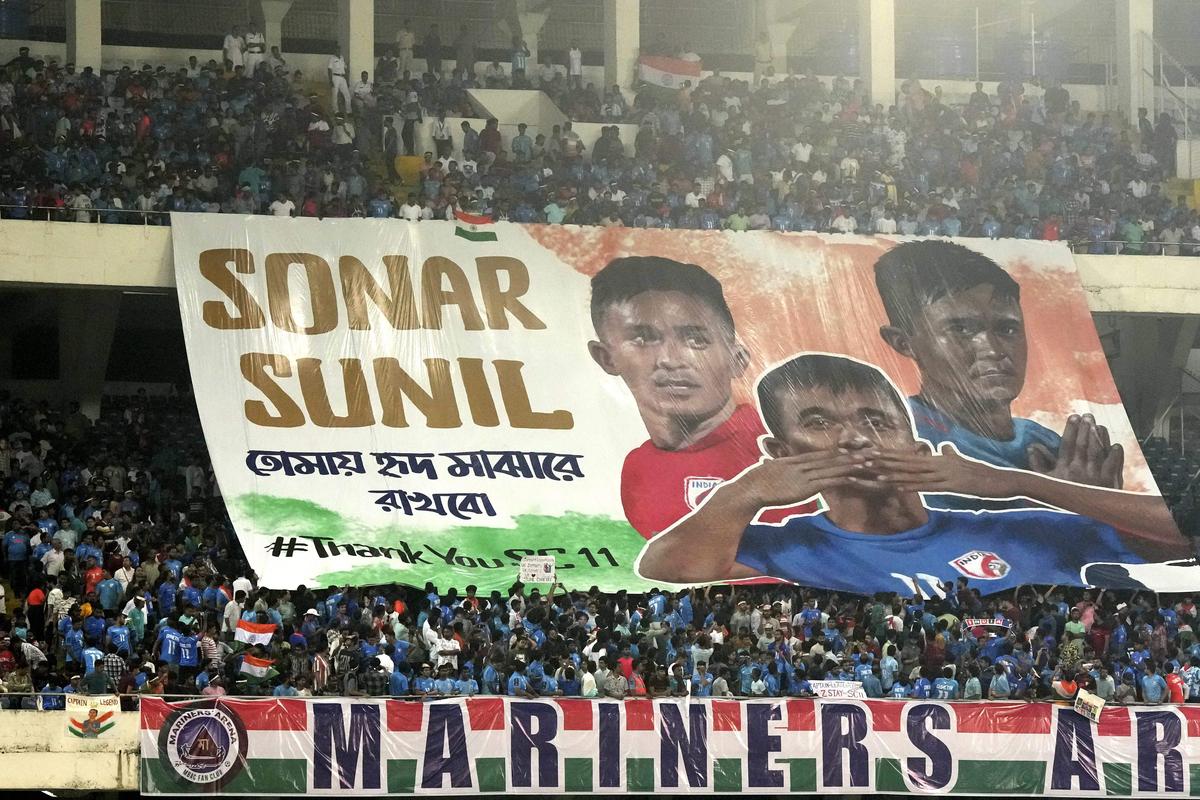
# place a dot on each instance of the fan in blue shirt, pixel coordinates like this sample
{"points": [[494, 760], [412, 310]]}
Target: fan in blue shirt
{"points": [[118, 635], [398, 683], [73, 640], [491, 679], [840, 429], [166, 597], [168, 641], [110, 592], [189, 650], [91, 657], [945, 687]]}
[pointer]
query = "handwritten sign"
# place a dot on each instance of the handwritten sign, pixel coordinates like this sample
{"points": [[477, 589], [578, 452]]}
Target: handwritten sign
{"points": [[537, 569]]}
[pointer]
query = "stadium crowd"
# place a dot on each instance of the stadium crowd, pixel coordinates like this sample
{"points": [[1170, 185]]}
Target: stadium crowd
{"points": [[121, 575], [795, 152]]}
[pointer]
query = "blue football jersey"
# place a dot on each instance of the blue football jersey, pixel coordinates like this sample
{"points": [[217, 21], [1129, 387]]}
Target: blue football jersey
{"points": [[996, 550], [936, 428]]}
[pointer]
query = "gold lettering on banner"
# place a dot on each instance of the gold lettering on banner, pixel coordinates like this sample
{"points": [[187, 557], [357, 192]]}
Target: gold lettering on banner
{"points": [[254, 370], [479, 394], [214, 266], [497, 301], [316, 398], [516, 401], [321, 291], [399, 308], [433, 296], [438, 404]]}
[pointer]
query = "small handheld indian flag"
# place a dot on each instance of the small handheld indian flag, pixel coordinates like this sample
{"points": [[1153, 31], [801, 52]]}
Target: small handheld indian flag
{"points": [[470, 227], [252, 633], [258, 669]]}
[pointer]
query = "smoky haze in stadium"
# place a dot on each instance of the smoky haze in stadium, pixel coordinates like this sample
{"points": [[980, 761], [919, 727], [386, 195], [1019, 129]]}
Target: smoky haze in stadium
{"points": [[599, 397]]}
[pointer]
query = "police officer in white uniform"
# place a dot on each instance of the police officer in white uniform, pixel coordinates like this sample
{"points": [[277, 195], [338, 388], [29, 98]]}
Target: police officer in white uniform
{"points": [[256, 49], [337, 80]]}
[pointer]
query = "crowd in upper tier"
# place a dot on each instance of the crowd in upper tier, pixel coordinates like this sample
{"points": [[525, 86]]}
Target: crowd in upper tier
{"points": [[795, 152], [121, 574]]}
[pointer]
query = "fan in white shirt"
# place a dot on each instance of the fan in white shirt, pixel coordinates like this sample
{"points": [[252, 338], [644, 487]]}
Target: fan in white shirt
{"points": [[283, 207]]}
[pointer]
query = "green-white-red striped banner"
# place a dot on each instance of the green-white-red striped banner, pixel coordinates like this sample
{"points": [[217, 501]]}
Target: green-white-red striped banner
{"points": [[492, 745]]}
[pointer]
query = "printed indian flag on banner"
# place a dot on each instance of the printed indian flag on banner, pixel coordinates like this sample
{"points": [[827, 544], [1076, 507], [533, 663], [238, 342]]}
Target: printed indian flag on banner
{"points": [[251, 633], [669, 73], [471, 227]]}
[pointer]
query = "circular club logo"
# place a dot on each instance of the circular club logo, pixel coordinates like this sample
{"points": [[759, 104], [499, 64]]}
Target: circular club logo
{"points": [[203, 745]]}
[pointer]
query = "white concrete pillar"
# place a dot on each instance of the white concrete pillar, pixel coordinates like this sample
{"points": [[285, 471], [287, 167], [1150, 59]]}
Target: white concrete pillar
{"points": [[273, 12], [83, 34], [531, 23], [877, 49], [1135, 56], [622, 40], [87, 320], [356, 36]]}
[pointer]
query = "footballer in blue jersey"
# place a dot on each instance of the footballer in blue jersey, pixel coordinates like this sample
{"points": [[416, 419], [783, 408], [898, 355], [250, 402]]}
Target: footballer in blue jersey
{"points": [[957, 314], [840, 428]]}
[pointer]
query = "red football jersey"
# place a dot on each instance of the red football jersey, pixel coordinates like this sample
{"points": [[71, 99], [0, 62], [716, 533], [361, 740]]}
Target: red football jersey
{"points": [[658, 487]]}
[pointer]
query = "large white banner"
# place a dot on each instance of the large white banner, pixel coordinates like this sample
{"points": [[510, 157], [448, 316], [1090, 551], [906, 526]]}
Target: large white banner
{"points": [[391, 401]]}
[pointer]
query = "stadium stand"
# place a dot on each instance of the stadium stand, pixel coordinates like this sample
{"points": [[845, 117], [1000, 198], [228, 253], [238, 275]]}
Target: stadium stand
{"points": [[122, 573]]}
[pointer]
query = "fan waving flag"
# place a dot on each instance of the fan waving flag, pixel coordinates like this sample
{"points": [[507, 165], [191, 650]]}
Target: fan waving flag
{"points": [[251, 633], [257, 670], [471, 227], [669, 73]]}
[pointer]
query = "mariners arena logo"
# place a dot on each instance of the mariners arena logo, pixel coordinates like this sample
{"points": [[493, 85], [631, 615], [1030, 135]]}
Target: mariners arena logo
{"points": [[203, 745], [982, 565]]}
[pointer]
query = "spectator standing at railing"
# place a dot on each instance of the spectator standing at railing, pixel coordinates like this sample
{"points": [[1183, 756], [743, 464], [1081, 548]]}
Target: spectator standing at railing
{"points": [[406, 38], [234, 47], [432, 45], [464, 52], [255, 43], [575, 66]]}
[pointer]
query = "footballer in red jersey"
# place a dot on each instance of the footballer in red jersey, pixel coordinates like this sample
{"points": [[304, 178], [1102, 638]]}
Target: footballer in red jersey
{"points": [[664, 328]]}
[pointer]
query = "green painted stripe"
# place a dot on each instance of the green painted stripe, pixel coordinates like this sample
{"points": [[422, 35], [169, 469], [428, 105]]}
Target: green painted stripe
{"points": [[401, 776], [888, 777], [1000, 777], [974, 777], [803, 777], [727, 775], [639, 774], [260, 776], [1193, 774], [1118, 779], [474, 236], [490, 772], [578, 774]]}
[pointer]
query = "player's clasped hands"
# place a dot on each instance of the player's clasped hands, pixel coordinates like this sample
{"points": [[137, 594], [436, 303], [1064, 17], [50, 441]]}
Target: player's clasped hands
{"points": [[1085, 455]]}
